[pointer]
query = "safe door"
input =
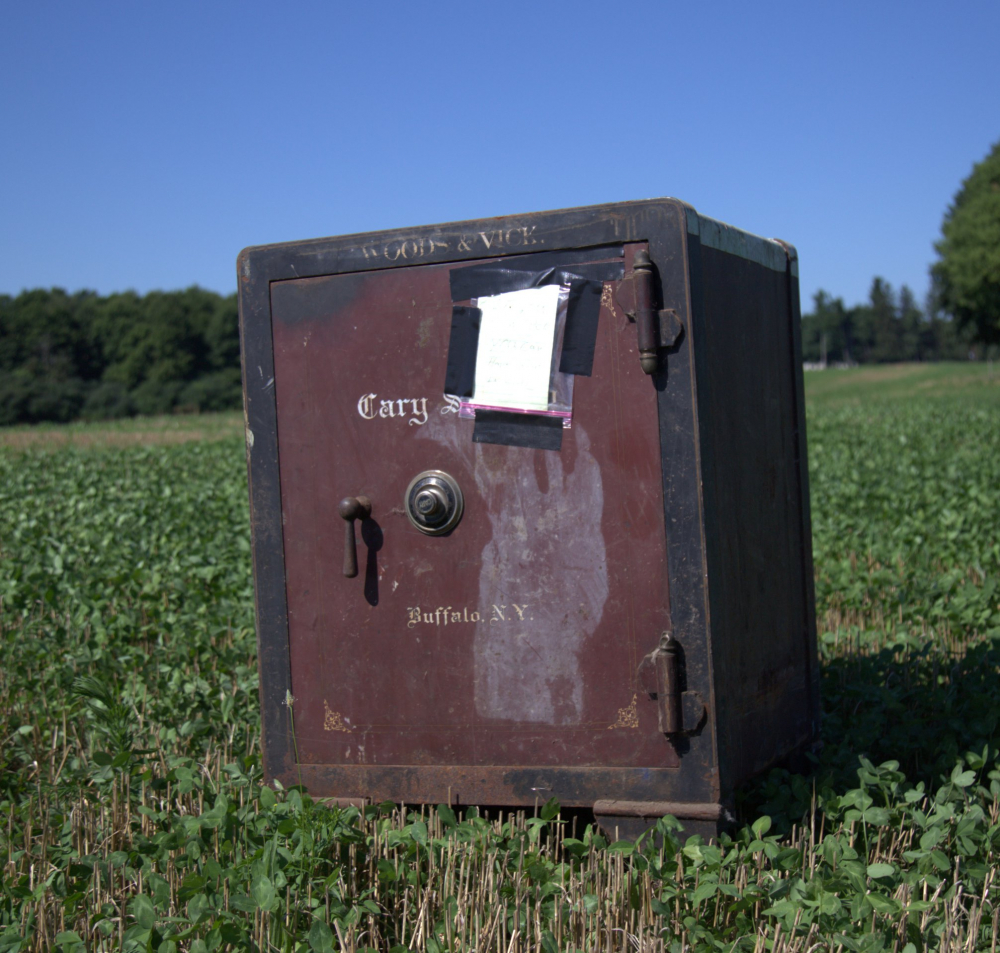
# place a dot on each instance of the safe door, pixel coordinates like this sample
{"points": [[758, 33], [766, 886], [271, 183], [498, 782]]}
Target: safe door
{"points": [[494, 656]]}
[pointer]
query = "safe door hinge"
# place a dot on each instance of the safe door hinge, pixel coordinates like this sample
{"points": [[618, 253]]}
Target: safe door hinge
{"points": [[659, 676], [655, 327]]}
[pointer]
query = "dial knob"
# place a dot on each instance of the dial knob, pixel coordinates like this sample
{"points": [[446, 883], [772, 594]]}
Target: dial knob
{"points": [[431, 504], [434, 502]]}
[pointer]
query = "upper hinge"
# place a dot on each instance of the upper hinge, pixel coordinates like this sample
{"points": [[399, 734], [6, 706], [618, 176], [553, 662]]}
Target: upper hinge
{"points": [[655, 327]]}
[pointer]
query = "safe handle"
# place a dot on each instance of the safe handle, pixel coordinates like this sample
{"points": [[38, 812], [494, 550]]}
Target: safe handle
{"points": [[352, 508]]}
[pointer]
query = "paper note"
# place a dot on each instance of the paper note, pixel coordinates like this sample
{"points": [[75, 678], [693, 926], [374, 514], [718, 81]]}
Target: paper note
{"points": [[514, 360]]}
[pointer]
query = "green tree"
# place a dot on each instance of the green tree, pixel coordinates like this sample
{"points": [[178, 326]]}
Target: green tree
{"points": [[885, 345], [64, 355], [827, 331], [222, 334], [966, 277], [911, 328], [45, 333], [156, 338]]}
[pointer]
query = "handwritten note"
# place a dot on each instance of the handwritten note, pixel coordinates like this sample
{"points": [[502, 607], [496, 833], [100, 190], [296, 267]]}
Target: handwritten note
{"points": [[516, 336]]}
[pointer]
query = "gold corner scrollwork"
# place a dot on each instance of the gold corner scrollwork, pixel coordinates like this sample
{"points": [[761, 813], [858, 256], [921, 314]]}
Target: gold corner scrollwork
{"points": [[333, 720], [628, 717], [607, 299]]}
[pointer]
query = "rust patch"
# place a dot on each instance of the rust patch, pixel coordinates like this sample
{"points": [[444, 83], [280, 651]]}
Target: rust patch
{"points": [[424, 331]]}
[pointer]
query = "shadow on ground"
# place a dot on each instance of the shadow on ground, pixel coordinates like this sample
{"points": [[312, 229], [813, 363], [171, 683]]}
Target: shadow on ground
{"points": [[914, 702]]}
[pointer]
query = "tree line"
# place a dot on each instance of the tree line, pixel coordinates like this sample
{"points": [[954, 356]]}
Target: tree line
{"points": [[83, 355], [69, 356], [889, 327]]}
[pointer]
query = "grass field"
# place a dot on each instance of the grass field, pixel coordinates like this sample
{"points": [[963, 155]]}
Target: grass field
{"points": [[856, 385], [127, 432], [133, 813]]}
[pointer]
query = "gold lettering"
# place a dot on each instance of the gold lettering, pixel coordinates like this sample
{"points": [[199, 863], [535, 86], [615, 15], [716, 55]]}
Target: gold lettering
{"points": [[443, 615], [463, 244], [392, 256], [365, 406], [385, 409], [487, 241], [419, 409]]}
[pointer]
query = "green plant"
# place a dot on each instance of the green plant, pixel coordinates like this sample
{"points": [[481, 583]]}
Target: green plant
{"points": [[136, 816]]}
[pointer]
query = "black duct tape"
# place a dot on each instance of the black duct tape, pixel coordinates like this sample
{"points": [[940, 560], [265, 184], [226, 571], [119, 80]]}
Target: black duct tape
{"points": [[580, 335], [507, 274], [518, 430], [460, 374]]}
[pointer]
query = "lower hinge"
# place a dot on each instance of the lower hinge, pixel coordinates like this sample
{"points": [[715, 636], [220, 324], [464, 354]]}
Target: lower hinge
{"points": [[659, 674]]}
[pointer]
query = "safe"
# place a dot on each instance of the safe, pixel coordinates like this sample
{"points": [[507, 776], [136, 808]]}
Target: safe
{"points": [[530, 512]]}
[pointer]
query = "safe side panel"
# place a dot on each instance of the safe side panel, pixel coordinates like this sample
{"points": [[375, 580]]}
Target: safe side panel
{"points": [[760, 635], [515, 639]]}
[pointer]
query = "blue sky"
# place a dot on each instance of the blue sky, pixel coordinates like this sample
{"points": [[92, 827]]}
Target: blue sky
{"points": [[145, 144]]}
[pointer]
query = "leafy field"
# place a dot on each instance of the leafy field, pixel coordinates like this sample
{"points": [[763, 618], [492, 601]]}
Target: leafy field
{"points": [[132, 806]]}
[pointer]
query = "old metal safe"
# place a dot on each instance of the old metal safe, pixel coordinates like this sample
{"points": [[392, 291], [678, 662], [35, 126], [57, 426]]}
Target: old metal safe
{"points": [[530, 511]]}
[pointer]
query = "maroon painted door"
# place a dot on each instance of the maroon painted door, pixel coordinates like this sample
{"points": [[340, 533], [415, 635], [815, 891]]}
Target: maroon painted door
{"points": [[513, 640]]}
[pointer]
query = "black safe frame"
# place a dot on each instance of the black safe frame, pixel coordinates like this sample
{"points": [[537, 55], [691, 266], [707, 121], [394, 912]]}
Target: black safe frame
{"points": [[714, 278]]}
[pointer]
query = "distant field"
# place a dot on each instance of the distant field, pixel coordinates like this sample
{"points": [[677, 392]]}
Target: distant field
{"points": [[127, 432], [900, 381]]}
